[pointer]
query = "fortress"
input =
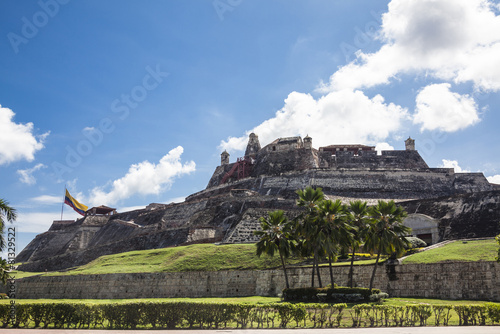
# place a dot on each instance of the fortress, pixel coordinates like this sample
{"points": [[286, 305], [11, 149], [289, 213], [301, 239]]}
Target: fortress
{"points": [[441, 204]]}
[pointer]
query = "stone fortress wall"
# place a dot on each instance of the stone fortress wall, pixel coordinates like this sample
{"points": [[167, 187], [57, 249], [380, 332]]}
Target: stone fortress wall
{"points": [[461, 280]]}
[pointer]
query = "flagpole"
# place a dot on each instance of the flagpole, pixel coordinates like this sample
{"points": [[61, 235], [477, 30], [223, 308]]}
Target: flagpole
{"points": [[62, 206]]}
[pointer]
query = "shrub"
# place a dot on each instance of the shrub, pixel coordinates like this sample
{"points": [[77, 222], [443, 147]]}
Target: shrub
{"points": [[416, 242], [218, 315], [442, 314], [4, 315], [493, 312], [329, 295]]}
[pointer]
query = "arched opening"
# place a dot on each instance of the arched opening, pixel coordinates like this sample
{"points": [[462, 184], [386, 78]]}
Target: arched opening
{"points": [[423, 227]]}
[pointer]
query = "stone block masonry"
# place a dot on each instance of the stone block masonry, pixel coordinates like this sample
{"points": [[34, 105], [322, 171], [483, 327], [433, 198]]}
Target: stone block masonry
{"points": [[454, 280]]}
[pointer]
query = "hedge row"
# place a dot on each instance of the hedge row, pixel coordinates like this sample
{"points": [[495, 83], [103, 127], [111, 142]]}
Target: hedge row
{"points": [[332, 295], [230, 315]]}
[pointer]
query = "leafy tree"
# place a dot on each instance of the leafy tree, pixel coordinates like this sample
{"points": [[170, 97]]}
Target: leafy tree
{"points": [[334, 230], [308, 231], [275, 236], [386, 231], [359, 221], [7, 213]]}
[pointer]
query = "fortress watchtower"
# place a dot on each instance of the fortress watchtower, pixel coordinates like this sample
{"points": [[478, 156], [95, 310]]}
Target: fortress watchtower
{"points": [[253, 145], [410, 144], [224, 158], [308, 142]]}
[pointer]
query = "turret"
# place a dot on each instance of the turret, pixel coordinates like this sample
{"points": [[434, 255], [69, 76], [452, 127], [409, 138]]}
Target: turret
{"points": [[224, 158], [307, 142], [410, 144], [253, 145]]}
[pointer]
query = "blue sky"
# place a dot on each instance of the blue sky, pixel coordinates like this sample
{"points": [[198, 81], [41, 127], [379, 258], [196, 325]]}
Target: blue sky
{"points": [[132, 102]]}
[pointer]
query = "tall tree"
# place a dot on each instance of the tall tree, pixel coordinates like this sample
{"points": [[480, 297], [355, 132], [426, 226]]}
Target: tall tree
{"points": [[387, 232], [334, 230], [275, 236], [358, 219], [8, 214], [310, 198]]}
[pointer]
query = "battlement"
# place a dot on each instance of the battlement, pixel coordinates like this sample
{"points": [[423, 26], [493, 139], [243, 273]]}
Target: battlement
{"points": [[357, 171], [294, 154]]}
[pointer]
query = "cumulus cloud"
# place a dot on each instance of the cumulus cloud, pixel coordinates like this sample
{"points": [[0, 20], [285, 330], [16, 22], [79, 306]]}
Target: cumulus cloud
{"points": [[17, 141], [343, 116], [144, 178], [47, 199], [456, 40], [26, 175], [453, 164], [450, 41], [39, 222], [383, 147], [494, 179], [437, 108]]}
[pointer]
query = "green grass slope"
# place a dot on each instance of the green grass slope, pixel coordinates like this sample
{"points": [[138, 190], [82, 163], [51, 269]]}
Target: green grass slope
{"points": [[478, 250], [199, 257], [210, 257]]}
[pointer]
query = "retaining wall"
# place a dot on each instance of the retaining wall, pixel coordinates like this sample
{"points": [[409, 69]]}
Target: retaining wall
{"points": [[465, 280]]}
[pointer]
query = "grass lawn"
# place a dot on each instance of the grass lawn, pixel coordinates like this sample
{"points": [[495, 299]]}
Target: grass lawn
{"points": [[210, 257], [247, 300], [478, 250], [401, 301], [198, 257]]}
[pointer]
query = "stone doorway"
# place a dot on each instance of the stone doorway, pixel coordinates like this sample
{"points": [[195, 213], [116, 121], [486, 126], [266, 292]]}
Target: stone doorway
{"points": [[423, 227]]}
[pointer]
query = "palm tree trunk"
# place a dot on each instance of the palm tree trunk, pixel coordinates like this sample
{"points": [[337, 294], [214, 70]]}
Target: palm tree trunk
{"points": [[317, 270], [313, 269], [284, 270], [375, 269], [351, 270], [331, 270]]}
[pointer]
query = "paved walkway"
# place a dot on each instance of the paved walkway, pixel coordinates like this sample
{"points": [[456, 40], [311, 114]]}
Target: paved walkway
{"points": [[378, 330]]}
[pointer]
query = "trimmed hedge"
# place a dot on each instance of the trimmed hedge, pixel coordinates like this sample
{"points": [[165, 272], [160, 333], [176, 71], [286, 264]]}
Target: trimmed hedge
{"points": [[172, 315], [329, 295]]}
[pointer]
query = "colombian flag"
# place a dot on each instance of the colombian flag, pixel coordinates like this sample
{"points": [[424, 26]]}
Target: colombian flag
{"points": [[78, 207]]}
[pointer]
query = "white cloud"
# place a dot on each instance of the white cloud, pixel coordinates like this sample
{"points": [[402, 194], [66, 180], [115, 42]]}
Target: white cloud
{"points": [[494, 179], [437, 108], [453, 164], [338, 117], [39, 222], [26, 175], [144, 178], [17, 141], [456, 40], [131, 208], [383, 147], [47, 199]]}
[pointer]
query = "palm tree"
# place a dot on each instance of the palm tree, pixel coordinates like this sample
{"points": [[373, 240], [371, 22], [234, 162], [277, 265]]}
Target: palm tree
{"points": [[334, 230], [358, 219], [307, 230], [275, 236], [10, 214], [386, 231]]}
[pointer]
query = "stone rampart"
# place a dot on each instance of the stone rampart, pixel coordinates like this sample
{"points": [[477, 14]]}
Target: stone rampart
{"points": [[359, 183], [458, 280]]}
